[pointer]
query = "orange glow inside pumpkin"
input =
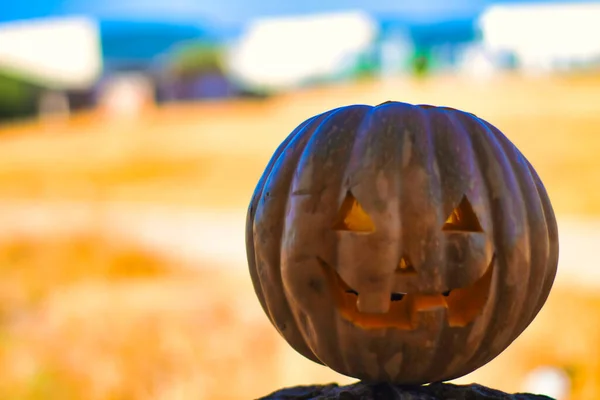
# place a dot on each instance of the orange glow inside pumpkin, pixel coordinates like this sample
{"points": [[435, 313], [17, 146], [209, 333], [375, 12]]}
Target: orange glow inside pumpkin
{"points": [[462, 305], [352, 217], [405, 267], [463, 218]]}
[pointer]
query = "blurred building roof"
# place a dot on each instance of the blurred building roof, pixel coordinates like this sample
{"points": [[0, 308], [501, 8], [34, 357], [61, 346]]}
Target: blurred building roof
{"points": [[287, 51], [60, 52], [561, 34], [133, 32]]}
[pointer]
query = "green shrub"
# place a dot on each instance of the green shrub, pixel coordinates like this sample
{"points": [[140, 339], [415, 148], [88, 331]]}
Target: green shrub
{"points": [[17, 97]]}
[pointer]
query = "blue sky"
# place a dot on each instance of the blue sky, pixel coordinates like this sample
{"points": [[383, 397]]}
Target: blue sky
{"points": [[235, 12]]}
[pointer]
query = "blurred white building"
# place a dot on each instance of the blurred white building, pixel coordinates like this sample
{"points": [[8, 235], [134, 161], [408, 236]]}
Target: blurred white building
{"points": [[544, 37], [54, 52], [277, 53]]}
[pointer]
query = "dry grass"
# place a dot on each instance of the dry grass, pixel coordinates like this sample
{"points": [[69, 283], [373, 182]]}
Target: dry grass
{"points": [[85, 318], [148, 340], [211, 155], [33, 269], [88, 318]]}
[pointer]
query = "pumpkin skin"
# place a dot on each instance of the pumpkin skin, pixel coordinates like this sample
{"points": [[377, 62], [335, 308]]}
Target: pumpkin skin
{"points": [[400, 243]]}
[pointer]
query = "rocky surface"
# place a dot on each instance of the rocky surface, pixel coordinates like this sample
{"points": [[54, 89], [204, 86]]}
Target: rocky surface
{"points": [[365, 391]]}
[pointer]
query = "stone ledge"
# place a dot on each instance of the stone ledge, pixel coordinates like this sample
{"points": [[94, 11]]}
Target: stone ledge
{"points": [[383, 391]]}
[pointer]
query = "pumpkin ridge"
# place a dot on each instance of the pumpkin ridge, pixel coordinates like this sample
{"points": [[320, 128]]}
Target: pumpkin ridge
{"points": [[292, 332], [460, 121], [448, 115], [526, 182], [347, 340], [437, 356], [419, 135], [441, 361], [545, 258], [363, 133], [296, 137], [552, 237], [396, 178], [485, 154], [250, 215], [312, 131], [525, 237], [434, 187], [299, 164]]}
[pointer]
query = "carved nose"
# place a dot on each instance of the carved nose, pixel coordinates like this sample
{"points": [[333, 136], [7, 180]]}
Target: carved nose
{"points": [[373, 302]]}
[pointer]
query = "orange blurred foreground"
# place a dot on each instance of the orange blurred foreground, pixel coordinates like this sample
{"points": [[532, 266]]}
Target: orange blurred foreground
{"points": [[85, 318]]}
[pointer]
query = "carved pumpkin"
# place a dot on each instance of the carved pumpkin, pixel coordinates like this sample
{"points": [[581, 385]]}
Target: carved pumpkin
{"points": [[400, 243]]}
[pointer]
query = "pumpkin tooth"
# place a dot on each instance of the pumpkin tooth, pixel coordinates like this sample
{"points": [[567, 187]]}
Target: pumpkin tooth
{"points": [[373, 303]]}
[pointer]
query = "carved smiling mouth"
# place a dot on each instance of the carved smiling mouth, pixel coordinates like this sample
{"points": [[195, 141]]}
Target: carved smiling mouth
{"points": [[462, 305]]}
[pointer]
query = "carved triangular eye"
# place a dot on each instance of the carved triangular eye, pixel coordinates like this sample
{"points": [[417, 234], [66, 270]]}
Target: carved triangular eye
{"points": [[405, 266], [463, 218], [352, 217]]}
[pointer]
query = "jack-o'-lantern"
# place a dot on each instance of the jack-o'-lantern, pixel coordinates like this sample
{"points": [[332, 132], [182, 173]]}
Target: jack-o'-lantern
{"points": [[400, 243]]}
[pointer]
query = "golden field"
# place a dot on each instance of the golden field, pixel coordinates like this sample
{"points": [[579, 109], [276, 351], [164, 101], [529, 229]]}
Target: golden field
{"points": [[91, 315], [211, 155]]}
